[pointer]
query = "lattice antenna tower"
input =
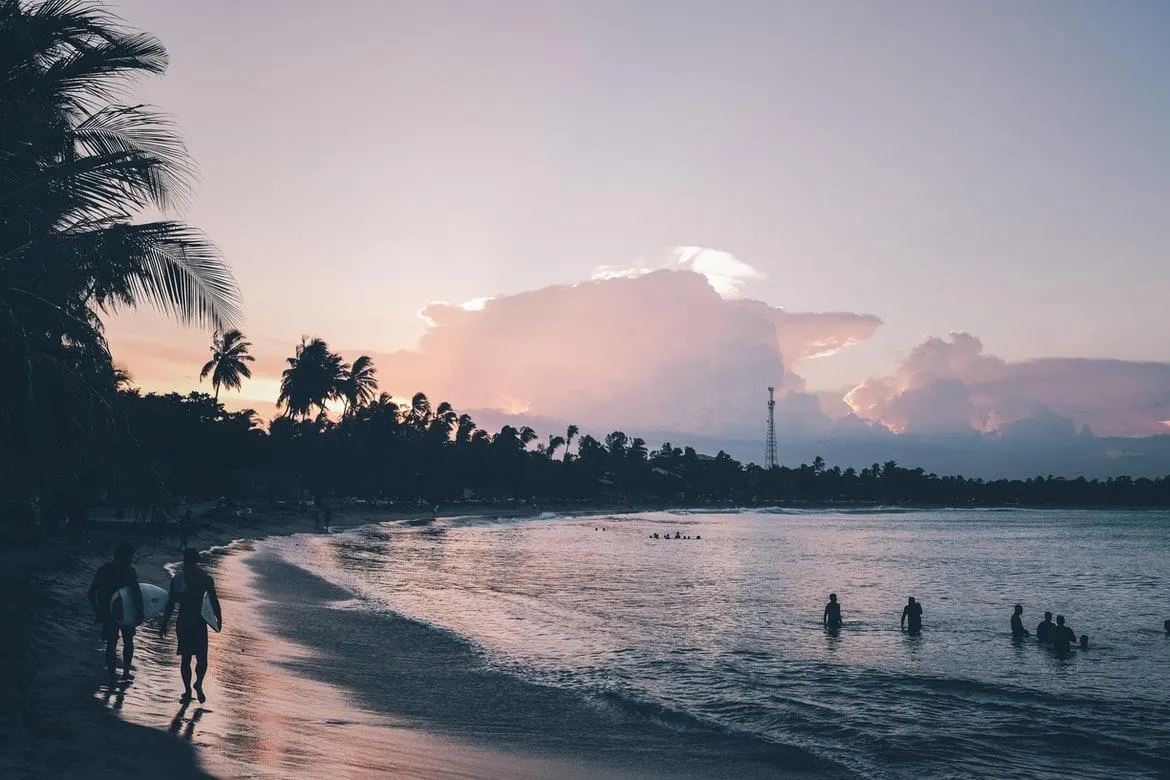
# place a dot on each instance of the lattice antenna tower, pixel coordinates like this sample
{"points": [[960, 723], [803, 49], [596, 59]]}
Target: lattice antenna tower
{"points": [[770, 443]]}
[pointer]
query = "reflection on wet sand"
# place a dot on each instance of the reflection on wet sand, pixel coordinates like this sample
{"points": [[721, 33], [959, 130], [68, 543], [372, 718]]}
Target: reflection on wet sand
{"points": [[260, 720]]}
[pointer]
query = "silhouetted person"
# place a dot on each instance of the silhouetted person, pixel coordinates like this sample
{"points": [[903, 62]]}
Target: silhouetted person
{"points": [[1045, 630], [1084, 641], [187, 590], [1063, 637], [832, 616], [1018, 630], [1166, 626], [677, 535], [109, 577], [912, 612]]}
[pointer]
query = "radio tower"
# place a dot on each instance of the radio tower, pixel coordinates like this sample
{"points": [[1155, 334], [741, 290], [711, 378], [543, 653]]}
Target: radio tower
{"points": [[770, 444]]}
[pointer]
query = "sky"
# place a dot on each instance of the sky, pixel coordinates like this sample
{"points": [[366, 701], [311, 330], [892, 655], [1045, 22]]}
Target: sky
{"points": [[873, 177]]}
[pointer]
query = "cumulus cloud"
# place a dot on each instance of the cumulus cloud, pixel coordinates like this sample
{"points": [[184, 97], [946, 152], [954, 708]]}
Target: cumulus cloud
{"points": [[948, 385], [670, 348]]}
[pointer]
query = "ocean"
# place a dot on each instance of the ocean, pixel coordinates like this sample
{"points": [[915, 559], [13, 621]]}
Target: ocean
{"points": [[586, 643]]}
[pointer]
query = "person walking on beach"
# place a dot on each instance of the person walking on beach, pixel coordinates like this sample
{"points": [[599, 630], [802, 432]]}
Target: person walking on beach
{"points": [[1018, 630], [1045, 629], [832, 616], [108, 579], [187, 590], [912, 612]]}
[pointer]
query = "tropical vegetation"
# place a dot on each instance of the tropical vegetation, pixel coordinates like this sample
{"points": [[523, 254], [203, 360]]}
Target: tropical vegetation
{"points": [[383, 447], [228, 366], [81, 175]]}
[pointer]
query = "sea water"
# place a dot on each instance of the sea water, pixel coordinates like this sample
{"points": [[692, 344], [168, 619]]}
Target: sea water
{"points": [[720, 637]]}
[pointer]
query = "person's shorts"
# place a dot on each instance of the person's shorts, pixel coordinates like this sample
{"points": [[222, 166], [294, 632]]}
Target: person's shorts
{"points": [[110, 631], [192, 638]]}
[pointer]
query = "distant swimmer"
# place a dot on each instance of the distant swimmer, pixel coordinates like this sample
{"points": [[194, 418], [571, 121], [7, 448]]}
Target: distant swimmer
{"points": [[912, 612], [1045, 629], [1018, 630], [1084, 641], [832, 617], [1063, 637]]}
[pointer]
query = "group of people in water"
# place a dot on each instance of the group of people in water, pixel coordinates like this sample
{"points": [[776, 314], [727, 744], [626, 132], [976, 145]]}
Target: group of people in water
{"points": [[677, 535], [911, 615], [1059, 636], [187, 590]]}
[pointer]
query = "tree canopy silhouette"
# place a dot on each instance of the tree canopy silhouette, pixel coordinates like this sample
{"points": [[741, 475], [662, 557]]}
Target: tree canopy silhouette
{"points": [[78, 171], [229, 361], [314, 377]]}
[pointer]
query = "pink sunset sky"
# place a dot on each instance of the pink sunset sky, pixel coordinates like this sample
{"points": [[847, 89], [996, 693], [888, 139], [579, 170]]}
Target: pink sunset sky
{"points": [[939, 217]]}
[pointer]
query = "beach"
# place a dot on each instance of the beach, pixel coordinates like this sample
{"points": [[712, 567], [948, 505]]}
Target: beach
{"points": [[580, 646], [63, 720]]}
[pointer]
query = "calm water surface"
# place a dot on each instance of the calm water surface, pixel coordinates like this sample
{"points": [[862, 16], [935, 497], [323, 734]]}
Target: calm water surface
{"points": [[725, 630]]}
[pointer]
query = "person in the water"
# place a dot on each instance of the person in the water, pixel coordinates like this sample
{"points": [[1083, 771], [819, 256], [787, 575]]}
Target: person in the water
{"points": [[1166, 626], [1063, 637], [187, 590], [832, 617], [1084, 641], [1018, 630], [912, 612], [111, 577], [1045, 629]]}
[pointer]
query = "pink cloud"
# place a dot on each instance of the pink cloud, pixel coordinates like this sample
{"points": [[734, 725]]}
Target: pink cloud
{"points": [[659, 348], [948, 385]]}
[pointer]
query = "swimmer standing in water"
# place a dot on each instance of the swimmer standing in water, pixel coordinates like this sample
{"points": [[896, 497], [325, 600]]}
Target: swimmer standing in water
{"points": [[832, 617]]}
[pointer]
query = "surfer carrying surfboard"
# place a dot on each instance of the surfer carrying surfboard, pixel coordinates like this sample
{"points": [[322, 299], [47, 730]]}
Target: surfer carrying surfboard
{"points": [[188, 589], [108, 579]]}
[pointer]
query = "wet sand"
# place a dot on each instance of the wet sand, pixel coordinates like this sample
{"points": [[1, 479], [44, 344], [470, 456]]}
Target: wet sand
{"points": [[51, 724], [277, 708], [262, 720]]}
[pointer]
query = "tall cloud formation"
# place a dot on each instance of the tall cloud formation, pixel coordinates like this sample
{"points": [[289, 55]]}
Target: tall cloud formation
{"points": [[670, 348], [948, 386]]}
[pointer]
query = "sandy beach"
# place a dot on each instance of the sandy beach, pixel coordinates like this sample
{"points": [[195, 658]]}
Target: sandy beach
{"points": [[62, 720], [52, 724]]}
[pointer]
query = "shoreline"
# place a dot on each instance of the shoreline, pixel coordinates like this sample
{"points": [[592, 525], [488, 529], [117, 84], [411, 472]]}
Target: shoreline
{"points": [[52, 725]]}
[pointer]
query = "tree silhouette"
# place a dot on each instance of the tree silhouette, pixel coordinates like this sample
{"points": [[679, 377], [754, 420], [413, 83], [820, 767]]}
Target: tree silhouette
{"points": [[229, 361], [313, 378], [77, 173], [570, 433], [554, 443], [359, 385]]}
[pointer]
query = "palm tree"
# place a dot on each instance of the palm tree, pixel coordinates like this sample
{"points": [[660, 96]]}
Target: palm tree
{"points": [[314, 377], [123, 379], [465, 427], [570, 432], [229, 361], [554, 442], [359, 385], [420, 411], [77, 174]]}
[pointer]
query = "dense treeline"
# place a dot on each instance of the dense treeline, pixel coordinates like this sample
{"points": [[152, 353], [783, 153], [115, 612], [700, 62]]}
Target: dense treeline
{"points": [[190, 448]]}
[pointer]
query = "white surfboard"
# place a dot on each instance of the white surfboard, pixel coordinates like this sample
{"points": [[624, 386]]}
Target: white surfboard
{"points": [[154, 599], [208, 613]]}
